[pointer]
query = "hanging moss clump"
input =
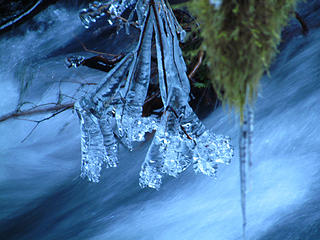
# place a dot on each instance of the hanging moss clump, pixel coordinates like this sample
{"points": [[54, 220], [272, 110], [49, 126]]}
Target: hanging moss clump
{"points": [[240, 40]]}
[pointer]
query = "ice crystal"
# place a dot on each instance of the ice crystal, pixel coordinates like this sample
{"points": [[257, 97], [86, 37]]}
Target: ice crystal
{"points": [[111, 112], [74, 61], [112, 12]]}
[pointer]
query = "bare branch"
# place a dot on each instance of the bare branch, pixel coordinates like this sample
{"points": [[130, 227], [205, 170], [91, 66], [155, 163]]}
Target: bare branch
{"points": [[40, 110], [42, 120], [29, 134], [96, 52], [81, 83], [196, 67]]}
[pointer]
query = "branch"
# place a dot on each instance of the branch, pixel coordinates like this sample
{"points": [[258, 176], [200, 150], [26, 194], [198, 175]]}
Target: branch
{"points": [[40, 110], [42, 120], [196, 67]]}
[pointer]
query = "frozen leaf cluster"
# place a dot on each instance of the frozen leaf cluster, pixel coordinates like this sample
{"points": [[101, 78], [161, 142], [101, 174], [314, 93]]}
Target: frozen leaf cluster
{"points": [[113, 111]]}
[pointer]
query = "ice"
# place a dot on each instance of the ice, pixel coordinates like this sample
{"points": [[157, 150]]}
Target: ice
{"points": [[74, 61], [210, 151], [109, 141], [246, 132], [112, 12], [130, 113], [175, 152], [180, 138], [161, 46], [150, 177], [97, 141], [132, 127], [250, 133], [92, 148], [108, 89]]}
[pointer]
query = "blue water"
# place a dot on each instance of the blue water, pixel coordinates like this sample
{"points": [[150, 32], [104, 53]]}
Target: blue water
{"points": [[42, 196]]}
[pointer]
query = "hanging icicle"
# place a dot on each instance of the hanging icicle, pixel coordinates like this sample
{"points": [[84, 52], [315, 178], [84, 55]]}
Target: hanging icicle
{"points": [[245, 153]]}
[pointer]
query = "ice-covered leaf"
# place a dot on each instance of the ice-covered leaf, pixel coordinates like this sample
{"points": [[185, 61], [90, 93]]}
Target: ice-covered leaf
{"points": [[92, 149], [130, 112]]}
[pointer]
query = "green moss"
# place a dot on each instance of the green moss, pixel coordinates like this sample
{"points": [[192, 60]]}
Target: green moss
{"points": [[240, 40]]}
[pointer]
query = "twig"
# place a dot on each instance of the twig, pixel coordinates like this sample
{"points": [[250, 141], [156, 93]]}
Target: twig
{"points": [[65, 95], [196, 67], [151, 97], [303, 24], [81, 83], [29, 134], [182, 128], [16, 114], [42, 120], [96, 52], [35, 106]]}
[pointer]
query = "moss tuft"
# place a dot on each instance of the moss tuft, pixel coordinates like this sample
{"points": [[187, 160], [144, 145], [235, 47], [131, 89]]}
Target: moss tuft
{"points": [[240, 40]]}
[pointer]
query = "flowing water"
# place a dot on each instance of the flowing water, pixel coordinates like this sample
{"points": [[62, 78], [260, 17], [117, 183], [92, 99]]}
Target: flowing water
{"points": [[42, 196]]}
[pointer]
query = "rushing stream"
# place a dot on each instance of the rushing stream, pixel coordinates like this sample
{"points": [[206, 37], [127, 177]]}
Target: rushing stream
{"points": [[42, 196]]}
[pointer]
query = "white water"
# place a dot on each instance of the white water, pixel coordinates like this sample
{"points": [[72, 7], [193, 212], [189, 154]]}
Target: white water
{"points": [[42, 197]]}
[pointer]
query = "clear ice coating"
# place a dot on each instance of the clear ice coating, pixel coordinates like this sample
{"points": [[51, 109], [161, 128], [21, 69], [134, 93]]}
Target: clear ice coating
{"points": [[74, 61], [113, 113], [112, 11]]}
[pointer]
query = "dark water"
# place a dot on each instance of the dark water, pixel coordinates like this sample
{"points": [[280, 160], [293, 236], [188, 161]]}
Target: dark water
{"points": [[42, 197]]}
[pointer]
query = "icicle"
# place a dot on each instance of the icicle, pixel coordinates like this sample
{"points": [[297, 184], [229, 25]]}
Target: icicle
{"points": [[243, 161], [245, 148], [250, 133]]}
